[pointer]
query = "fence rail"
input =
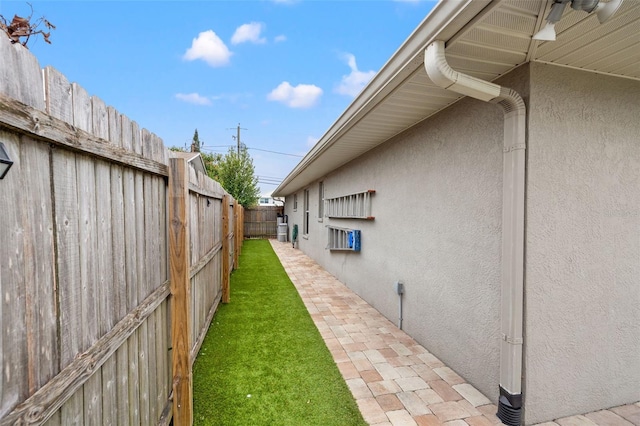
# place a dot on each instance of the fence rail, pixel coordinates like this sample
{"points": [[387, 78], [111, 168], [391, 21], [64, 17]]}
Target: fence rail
{"points": [[107, 293]]}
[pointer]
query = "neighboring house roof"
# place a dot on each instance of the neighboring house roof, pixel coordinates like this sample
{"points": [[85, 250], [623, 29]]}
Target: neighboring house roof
{"points": [[485, 39], [193, 158]]}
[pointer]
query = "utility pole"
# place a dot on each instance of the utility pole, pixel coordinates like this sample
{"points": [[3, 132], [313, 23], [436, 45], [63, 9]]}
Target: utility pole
{"points": [[237, 137]]}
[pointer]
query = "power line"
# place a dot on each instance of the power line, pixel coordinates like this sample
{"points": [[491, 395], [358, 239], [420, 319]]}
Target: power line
{"points": [[270, 177], [208, 148], [276, 152], [266, 179]]}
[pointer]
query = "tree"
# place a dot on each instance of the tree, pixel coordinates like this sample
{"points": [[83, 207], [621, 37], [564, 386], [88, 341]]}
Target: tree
{"points": [[236, 174], [211, 164], [195, 143]]}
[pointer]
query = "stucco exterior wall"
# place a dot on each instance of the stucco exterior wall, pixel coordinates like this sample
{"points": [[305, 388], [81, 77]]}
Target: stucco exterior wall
{"points": [[437, 227], [582, 302]]}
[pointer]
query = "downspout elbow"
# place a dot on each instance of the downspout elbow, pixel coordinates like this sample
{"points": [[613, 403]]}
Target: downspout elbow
{"points": [[446, 77], [515, 115]]}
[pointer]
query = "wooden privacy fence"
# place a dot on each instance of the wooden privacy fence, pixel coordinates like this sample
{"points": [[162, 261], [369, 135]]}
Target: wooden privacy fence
{"points": [[262, 221], [113, 259]]}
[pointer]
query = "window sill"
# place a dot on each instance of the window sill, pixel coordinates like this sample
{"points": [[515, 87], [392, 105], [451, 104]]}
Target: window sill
{"points": [[306, 237]]}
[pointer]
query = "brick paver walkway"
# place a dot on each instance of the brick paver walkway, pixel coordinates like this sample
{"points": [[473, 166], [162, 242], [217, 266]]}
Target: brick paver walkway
{"points": [[394, 380]]}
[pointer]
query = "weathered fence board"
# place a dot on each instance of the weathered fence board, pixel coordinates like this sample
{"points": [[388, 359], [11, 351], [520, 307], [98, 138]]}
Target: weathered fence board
{"points": [[180, 290], [143, 371], [66, 219], [20, 75], [40, 300], [49, 397], [81, 107], [14, 387], [118, 375], [136, 347], [152, 365], [86, 321], [58, 95], [159, 374], [133, 381], [232, 237], [90, 297], [225, 250]]}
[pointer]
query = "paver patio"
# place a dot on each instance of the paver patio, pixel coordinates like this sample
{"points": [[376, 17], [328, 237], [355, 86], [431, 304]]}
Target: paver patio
{"points": [[394, 380]]}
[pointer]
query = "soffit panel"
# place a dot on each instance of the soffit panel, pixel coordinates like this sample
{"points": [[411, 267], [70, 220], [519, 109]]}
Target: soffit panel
{"points": [[489, 35], [478, 66], [523, 6], [512, 20], [584, 43]]}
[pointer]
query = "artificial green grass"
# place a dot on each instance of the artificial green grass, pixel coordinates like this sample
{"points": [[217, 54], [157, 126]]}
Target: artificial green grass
{"points": [[263, 361]]}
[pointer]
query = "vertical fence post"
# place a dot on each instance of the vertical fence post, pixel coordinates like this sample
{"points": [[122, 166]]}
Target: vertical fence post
{"points": [[225, 249], [180, 291], [240, 229], [236, 233]]}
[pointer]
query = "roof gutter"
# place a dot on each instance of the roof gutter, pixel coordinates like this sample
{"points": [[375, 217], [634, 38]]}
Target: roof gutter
{"points": [[510, 402]]}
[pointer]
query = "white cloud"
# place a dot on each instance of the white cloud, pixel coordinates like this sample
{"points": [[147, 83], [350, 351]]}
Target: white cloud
{"points": [[208, 47], [312, 141], [249, 33], [280, 38], [353, 83], [300, 96], [193, 98]]}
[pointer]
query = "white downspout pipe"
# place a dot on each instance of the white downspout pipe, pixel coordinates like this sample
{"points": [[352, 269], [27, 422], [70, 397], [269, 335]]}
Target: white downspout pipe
{"points": [[439, 71]]}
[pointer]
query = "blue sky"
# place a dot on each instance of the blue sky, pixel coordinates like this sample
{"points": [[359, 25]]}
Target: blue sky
{"points": [[284, 70]]}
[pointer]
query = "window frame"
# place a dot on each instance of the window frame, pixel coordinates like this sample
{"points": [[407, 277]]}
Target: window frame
{"points": [[306, 212], [320, 201]]}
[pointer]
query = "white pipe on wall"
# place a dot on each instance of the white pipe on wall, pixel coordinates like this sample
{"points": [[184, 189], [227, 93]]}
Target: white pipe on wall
{"points": [[400, 312], [439, 71]]}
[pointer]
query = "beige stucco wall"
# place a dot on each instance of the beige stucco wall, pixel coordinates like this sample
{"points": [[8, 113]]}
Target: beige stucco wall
{"points": [[437, 227], [582, 341]]}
